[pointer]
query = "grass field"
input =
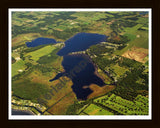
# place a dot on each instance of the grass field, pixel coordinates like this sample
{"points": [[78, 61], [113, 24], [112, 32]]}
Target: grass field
{"points": [[95, 110], [130, 36], [19, 65], [40, 52], [141, 41], [131, 30]]}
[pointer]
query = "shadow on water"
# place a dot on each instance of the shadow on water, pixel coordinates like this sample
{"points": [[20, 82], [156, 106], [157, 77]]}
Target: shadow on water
{"points": [[80, 70]]}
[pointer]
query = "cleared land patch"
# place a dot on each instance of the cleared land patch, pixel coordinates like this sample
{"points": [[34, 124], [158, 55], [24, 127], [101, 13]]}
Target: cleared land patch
{"points": [[137, 54]]}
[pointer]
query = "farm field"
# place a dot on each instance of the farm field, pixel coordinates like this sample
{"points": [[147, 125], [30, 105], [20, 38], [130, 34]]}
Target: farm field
{"points": [[95, 110], [35, 55], [125, 107]]}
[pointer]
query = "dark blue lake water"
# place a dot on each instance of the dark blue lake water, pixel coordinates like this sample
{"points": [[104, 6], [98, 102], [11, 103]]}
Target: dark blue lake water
{"points": [[40, 41], [81, 42], [20, 112], [80, 67], [81, 70]]}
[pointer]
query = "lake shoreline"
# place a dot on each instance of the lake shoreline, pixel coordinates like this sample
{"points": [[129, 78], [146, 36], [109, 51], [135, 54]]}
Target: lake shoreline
{"points": [[89, 58]]}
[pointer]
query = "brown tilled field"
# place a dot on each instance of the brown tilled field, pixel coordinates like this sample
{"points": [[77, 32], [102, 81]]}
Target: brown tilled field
{"points": [[137, 54]]}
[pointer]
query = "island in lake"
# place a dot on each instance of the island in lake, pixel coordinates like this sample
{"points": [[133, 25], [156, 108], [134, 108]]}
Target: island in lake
{"points": [[80, 63]]}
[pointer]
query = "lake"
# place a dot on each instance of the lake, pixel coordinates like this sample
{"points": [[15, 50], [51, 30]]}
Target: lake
{"points": [[79, 67], [40, 41], [20, 112], [81, 42]]}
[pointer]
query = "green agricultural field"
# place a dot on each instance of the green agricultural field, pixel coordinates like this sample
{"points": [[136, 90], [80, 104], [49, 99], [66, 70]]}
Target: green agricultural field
{"points": [[142, 40], [101, 98], [118, 70], [123, 106], [130, 36], [142, 99], [19, 65], [138, 39], [131, 30], [96, 110], [35, 55]]}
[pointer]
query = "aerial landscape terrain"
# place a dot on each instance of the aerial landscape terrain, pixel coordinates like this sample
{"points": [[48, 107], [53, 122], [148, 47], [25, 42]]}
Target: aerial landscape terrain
{"points": [[80, 63]]}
